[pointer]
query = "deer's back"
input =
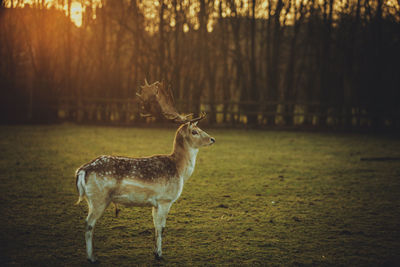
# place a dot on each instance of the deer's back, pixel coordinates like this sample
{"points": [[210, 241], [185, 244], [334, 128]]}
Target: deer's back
{"points": [[149, 169]]}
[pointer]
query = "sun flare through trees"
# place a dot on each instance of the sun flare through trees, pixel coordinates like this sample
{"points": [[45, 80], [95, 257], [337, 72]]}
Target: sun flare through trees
{"points": [[262, 63]]}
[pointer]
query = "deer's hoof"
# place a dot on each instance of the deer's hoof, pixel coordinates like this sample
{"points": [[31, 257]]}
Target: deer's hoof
{"points": [[93, 260], [157, 256]]}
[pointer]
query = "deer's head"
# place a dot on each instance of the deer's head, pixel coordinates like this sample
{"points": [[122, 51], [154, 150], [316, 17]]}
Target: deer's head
{"points": [[190, 134]]}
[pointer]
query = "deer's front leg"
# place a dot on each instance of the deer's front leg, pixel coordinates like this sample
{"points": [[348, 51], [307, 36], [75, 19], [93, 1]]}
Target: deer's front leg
{"points": [[159, 218]]}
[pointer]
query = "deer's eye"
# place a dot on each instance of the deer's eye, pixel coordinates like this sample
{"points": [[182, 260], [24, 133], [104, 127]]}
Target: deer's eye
{"points": [[194, 132]]}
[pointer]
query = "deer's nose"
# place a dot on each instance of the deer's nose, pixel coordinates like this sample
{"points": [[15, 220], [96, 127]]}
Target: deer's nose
{"points": [[212, 140]]}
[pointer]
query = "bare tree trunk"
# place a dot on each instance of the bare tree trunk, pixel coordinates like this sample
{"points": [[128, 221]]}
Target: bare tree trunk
{"points": [[177, 53], [240, 82], [273, 55], [161, 71], [203, 55], [289, 93], [224, 60], [253, 90], [377, 103], [325, 60], [349, 85]]}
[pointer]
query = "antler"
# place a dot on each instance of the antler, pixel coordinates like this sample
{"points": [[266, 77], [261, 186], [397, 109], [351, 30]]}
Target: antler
{"points": [[156, 100], [202, 116]]}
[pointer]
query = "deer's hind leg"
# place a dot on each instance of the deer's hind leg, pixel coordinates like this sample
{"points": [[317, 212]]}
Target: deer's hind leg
{"points": [[96, 210]]}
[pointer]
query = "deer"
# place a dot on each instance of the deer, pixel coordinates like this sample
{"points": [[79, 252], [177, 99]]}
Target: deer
{"points": [[156, 181]]}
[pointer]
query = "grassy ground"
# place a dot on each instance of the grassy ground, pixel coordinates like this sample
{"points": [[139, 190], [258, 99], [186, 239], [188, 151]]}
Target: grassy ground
{"points": [[256, 197]]}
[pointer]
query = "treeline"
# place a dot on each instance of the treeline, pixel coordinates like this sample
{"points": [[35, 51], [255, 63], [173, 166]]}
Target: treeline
{"points": [[257, 62]]}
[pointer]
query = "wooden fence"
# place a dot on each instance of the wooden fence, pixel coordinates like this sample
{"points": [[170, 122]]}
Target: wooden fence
{"points": [[230, 113]]}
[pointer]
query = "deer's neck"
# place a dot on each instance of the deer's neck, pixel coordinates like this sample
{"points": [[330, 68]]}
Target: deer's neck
{"points": [[185, 157]]}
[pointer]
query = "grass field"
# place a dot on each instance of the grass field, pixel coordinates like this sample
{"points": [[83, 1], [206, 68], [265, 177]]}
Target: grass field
{"points": [[255, 198]]}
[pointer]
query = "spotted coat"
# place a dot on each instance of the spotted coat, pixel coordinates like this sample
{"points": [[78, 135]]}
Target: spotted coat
{"points": [[149, 169]]}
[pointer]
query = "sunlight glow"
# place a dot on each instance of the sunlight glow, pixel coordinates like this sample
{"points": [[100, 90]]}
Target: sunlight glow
{"points": [[76, 7], [76, 13]]}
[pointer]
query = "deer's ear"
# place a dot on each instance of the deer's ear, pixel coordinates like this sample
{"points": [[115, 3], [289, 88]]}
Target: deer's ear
{"points": [[195, 123]]}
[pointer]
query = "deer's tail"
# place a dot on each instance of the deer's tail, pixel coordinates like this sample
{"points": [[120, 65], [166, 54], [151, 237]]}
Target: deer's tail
{"points": [[80, 184]]}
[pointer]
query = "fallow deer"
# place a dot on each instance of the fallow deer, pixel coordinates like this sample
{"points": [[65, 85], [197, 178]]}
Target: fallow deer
{"points": [[156, 181]]}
